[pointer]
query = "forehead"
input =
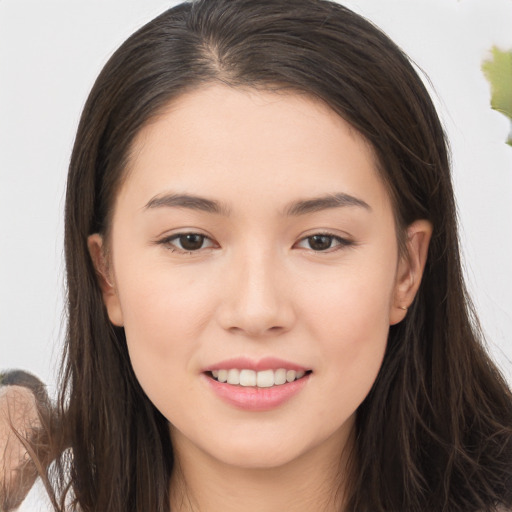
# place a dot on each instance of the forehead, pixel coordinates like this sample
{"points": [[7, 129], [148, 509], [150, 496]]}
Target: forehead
{"points": [[267, 146]]}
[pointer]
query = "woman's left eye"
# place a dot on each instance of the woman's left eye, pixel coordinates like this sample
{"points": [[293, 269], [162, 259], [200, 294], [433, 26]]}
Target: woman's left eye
{"points": [[188, 242], [323, 242]]}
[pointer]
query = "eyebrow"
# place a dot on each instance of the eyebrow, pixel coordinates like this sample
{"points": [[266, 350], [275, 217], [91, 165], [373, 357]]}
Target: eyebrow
{"points": [[301, 207], [187, 201], [316, 204]]}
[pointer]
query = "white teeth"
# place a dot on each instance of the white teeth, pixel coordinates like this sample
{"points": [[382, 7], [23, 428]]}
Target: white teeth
{"points": [[247, 378], [280, 376], [290, 375], [265, 379], [233, 376], [262, 379]]}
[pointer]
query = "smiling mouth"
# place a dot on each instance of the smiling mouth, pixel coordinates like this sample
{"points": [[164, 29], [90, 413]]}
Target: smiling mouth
{"points": [[260, 379]]}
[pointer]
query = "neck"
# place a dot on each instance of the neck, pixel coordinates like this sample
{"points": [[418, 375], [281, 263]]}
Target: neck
{"points": [[313, 481]]}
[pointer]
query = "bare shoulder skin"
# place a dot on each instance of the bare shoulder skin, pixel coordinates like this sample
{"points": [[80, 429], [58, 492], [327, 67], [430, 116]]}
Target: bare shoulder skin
{"points": [[19, 419]]}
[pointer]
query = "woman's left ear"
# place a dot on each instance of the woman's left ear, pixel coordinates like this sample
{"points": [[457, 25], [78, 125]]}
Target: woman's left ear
{"points": [[410, 269]]}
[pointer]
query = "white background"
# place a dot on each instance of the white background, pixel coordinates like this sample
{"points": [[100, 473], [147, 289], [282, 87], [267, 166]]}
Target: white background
{"points": [[50, 54]]}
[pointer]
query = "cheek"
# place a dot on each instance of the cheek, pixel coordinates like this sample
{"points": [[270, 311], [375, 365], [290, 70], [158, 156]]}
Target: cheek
{"points": [[164, 314], [349, 318], [354, 300]]}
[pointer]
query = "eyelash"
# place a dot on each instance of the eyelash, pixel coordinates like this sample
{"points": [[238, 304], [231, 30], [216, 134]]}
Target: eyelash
{"points": [[340, 242], [169, 241]]}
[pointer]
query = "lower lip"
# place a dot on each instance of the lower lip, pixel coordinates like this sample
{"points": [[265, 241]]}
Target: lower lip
{"points": [[256, 399]]}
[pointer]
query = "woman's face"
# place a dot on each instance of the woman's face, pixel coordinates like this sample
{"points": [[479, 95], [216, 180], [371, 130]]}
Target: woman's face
{"points": [[253, 236]]}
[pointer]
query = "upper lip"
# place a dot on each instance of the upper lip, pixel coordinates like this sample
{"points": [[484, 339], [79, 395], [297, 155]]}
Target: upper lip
{"points": [[266, 363]]}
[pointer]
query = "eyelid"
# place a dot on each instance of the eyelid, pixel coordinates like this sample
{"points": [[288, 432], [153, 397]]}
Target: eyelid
{"points": [[167, 240], [342, 241]]}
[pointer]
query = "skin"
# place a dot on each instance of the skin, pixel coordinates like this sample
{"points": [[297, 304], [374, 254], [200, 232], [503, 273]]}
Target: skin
{"points": [[256, 288]]}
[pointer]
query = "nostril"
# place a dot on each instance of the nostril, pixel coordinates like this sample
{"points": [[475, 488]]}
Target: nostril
{"points": [[256, 330]]}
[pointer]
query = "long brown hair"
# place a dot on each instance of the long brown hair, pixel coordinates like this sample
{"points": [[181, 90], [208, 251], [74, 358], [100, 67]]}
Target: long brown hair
{"points": [[435, 432]]}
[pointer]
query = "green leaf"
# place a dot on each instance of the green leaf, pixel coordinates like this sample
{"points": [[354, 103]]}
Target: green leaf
{"points": [[498, 70]]}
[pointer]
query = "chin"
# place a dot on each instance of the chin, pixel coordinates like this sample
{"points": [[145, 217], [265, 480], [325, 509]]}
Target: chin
{"points": [[258, 457], [266, 449]]}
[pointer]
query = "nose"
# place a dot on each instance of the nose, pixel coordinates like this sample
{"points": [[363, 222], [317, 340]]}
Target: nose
{"points": [[256, 300]]}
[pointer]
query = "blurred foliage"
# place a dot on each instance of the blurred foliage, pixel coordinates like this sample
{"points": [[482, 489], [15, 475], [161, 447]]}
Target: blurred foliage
{"points": [[498, 70]]}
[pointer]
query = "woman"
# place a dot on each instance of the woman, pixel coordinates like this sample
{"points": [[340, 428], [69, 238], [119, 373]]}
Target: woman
{"points": [[266, 306]]}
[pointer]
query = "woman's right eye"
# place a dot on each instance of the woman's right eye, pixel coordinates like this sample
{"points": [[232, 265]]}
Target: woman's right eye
{"points": [[187, 242]]}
